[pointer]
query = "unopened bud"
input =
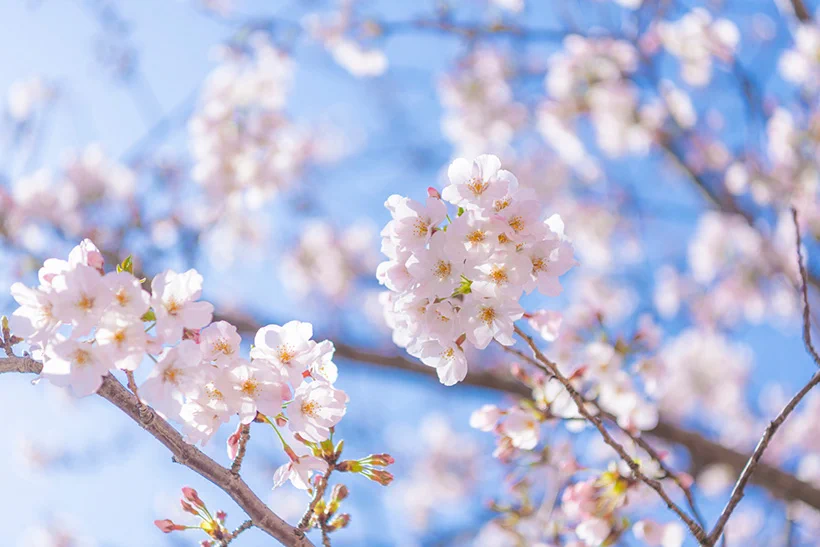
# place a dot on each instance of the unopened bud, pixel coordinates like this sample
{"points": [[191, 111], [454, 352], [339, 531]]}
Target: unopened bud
{"points": [[382, 460], [192, 497], [221, 516], [339, 447], [168, 526], [378, 475], [339, 522], [233, 443], [206, 543], [433, 193], [188, 508], [281, 421], [339, 492]]}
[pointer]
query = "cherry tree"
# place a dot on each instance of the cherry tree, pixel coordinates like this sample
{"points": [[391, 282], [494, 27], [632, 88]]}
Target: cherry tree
{"points": [[592, 224]]}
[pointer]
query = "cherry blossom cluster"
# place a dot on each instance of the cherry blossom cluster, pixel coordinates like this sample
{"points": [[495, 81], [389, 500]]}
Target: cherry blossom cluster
{"points": [[78, 200], [245, 147], [695, 39], [327, 261], [86, 323], [481, 112], [338, 34], [456, 279], [745, 276]]}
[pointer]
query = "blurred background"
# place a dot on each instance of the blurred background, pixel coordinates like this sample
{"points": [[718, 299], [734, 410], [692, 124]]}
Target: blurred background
{"points": [[257, 142]]}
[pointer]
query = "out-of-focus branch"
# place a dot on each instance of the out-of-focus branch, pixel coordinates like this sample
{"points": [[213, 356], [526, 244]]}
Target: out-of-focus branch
{"points": [[702, 451], [801, 11], [184, 453], [774, 425]]}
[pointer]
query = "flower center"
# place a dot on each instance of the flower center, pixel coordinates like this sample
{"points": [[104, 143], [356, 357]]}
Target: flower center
{"points": [[121, 296], [250, 387], [476, 236], [516, 223], [309, 408], [448, 354], [538, 264], [222, 346], [214, 394], [119, 337], [285, 353], [498, 275], [503, 239], [501, 204], [477, 186], [85, 302], [81, 357], [421, 227], [170, 375], [173, 306], [443, 270], [487, 314]]}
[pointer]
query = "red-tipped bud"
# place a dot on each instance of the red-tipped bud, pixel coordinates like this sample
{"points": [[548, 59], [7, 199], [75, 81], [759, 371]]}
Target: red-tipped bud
{"points": [[188, 508], [380, 476], [206, 543], [382, 460], [281, 421], [168, 526], [433, 193], [221, 516], [192, 497]]}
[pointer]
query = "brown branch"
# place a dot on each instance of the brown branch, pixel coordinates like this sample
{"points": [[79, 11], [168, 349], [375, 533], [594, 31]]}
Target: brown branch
{"points": [[634, 466], [801, 11], [184, 453], [774, 425], [244, 437], [320, 492], [804, 289]]}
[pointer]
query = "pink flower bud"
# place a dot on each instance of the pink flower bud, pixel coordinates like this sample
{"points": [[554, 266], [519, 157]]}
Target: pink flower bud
{"points": [[382, 477], [221, 516], [433, 193], [192, 497], [233, 443], [168, 526], [378, 459], [281, 421], [188, 508]]}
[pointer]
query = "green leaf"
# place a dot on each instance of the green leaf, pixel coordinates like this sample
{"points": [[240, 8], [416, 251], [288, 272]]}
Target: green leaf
{"points": [[126, 265], [149, 316], [460, 211]]}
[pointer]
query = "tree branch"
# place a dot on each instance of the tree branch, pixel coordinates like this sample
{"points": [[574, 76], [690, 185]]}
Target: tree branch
{"points": [[774, 425], [184, 453]]}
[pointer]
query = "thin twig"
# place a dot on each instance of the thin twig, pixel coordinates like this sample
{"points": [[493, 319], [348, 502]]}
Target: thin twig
{"points": [[774, 425], [320, 492], [634, 466], [804, 289], [242, 527], [244, 437], [637, 439]]}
